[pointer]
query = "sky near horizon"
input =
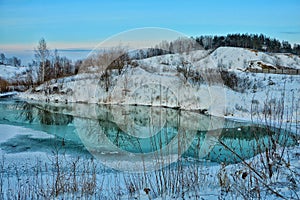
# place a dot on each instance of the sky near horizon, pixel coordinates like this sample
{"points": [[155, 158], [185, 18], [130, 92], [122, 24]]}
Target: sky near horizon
{"points": [[83, 24]]}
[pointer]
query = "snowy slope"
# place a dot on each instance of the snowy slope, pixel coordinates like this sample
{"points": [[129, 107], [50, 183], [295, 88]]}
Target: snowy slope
{"points": [[162, 81], [239, 58], [11, 73], [17, 78]]}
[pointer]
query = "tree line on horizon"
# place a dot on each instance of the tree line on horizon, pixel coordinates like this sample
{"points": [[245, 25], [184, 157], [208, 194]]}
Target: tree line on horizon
{"points": [[258, 42], [13, 61]]}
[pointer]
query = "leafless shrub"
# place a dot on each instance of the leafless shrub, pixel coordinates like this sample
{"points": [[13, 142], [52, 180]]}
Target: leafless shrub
{"points": [[233, 81], [277, 61], [271, 169], [185, 69], [105, 59], [3, 85]]}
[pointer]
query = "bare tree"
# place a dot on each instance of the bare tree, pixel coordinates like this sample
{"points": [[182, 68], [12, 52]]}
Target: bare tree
{"points": [[41, 54], [185, 69], [16, 61], [56, 63], [2, 57]]}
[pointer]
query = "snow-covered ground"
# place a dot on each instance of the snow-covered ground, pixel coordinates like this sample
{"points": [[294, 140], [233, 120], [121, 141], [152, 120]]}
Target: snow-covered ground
{"points": [[17, 77], [8, 94], [12, 74]]}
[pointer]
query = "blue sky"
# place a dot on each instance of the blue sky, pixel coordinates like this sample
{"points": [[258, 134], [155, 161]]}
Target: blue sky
{"points": [[83, 24]]}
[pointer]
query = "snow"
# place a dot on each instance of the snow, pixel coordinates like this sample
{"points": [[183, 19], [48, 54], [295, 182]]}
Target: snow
{"points": [[239, 58], [10, 73], [290, 60], [8, 94], [18, 76], [8, 132]]}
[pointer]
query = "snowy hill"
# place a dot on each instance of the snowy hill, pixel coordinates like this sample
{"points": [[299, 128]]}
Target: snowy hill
{"points": [[11, 73], [17, 77], [219, 83], [239, 58]]}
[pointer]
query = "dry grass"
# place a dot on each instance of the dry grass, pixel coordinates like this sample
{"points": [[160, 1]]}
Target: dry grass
{"points": [[3, 85]]}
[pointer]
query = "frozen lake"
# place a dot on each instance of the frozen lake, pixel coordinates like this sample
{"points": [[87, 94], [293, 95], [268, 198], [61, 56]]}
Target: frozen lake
{"points": [[129, 139], [140, 130]]}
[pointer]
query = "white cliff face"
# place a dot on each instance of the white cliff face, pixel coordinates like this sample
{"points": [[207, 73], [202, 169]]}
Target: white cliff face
{"points": [[189, 81]]}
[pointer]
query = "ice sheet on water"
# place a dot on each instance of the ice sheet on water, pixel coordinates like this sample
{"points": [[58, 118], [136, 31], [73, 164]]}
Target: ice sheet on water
{"points": [[9, 131]]}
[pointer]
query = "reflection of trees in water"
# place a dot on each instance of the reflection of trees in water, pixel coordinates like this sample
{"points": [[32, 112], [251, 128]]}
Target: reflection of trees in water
{"points": [[30, 112], [245, 141], [118, 137], [26, 111], [123, 132], [49, 118], [131, 142], [238, 144]]}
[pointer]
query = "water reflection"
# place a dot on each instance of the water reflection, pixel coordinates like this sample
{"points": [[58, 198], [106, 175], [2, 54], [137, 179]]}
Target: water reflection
{"points": [[142, 138]]}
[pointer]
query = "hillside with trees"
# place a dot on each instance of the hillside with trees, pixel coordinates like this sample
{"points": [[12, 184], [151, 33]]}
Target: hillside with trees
{"points": [[251, 41], [51, 64]]}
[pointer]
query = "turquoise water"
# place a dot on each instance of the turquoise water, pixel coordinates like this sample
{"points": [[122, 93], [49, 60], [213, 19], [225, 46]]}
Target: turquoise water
{"points": [[96, 130]]}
